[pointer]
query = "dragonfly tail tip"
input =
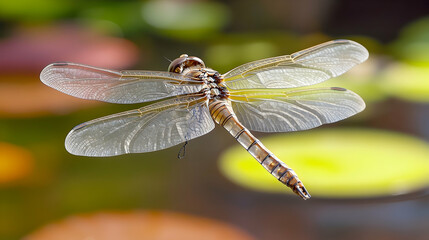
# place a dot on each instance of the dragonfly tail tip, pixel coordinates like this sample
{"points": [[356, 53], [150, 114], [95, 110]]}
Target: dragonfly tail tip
{"points": [[302, 192]]}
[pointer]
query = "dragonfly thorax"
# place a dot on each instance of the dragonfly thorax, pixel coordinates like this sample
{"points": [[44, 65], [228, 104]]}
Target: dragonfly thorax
{"points": [[213, 81], [217, 91]]}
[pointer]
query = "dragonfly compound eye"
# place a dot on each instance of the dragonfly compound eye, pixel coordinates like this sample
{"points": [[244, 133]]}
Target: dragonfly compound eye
{"points": [[183, 62]]}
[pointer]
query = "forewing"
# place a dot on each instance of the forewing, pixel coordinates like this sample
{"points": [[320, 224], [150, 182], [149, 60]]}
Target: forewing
{"points": [[116, 86], [284, 111], [150, 128], [303, 68]]}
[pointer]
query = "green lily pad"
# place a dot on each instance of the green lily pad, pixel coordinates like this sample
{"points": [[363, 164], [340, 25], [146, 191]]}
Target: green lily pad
{"points": [[347, 163], [407, 82]]}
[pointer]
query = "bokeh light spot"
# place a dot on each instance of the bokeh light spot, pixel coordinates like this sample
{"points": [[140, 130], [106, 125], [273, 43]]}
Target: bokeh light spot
{"points": [[15, 163], [186, 20]]}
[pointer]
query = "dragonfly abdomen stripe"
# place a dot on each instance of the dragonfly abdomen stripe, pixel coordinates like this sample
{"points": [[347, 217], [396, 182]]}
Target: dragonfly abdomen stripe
{"points": [[220, 112], [265, 158], [216, 107], [226, 119], [253, 144], [239, 133], [274, 168]]}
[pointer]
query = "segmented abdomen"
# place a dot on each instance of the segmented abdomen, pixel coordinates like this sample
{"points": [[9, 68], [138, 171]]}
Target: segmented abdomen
{"points": [[223, 114]]}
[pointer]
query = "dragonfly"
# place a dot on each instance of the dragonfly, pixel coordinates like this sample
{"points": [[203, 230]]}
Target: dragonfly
{"points": [[269, 95]]}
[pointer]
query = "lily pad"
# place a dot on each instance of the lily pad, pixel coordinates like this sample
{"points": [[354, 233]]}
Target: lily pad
{"points": [[138, 225], [341, 163], [406, 81]]}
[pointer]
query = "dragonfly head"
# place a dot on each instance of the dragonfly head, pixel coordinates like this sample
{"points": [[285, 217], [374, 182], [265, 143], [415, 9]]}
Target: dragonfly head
{"points": [[179, 64]]}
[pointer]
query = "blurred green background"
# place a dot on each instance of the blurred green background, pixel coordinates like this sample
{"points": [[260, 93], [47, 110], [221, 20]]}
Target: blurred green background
{"points": [[370, 173]]}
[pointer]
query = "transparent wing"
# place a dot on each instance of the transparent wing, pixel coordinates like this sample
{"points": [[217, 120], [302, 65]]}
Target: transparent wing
{"points": [[284, 111], [306, 67], [150, 128], [116, 86]]}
